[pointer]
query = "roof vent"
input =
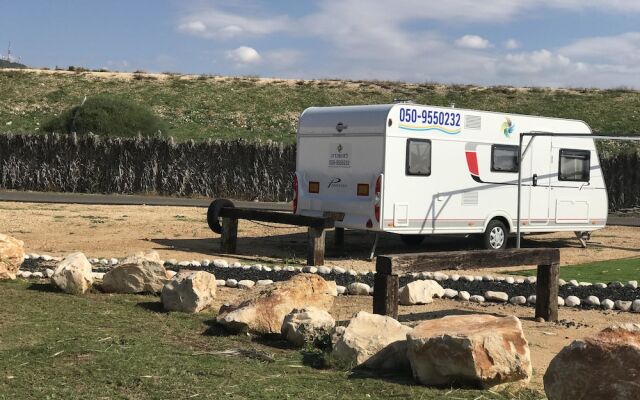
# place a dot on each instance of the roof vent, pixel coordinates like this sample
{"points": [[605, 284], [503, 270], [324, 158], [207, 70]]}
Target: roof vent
{"points": [[472, 122]]}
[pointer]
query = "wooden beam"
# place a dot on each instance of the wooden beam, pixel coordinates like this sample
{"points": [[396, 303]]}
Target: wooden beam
{"points": [[229, 238], [315, 246], [547, 287], [385, 295], [277, 217], [460, 260]]}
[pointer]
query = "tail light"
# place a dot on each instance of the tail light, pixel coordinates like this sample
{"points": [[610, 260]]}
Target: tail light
{"points": [[295, 193], [377, 198]]}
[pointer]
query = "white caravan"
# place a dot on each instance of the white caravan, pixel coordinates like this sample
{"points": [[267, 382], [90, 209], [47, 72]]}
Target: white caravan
{"points": [[421, 170]]}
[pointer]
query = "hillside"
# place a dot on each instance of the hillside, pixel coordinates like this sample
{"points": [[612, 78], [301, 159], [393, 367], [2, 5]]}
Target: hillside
{"points": [[201, 107], [11, 64]]}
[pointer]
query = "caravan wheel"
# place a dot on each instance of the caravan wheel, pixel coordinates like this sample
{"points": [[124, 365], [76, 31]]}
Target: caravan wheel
{"points": [[495, 236]]}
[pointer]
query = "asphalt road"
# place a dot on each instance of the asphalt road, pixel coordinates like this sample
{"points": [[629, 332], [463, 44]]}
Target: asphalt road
{"points": [[117, 199]]}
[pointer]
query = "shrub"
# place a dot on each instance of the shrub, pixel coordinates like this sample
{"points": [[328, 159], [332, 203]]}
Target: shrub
{"points": [[107, 115]]}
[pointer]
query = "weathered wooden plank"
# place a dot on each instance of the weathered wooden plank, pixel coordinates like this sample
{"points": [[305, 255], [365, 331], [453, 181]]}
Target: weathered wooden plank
{"points": [[338, 237], [277, 217], [229, 238], [460, 260], [547, 288], [385, 295], [315, 246]]}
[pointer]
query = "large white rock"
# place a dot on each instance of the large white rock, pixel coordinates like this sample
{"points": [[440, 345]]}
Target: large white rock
{"points": [[518, 300], [305, 325], [11, 256], [603, 366], [607, 304], [572, 301], [420, 292], [140, 273], [189, 291], [450, 293], [373, 341], [264, 308], [469, 350], [73, 274], [592, 301], [463, 295], [246, 284], [623, 305]]}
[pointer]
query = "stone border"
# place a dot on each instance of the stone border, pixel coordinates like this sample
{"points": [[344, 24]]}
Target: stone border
{"points": [[356, 287]]}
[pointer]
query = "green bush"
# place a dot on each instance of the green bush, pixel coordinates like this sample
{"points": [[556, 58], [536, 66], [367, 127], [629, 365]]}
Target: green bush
{"points": [[109, 116]]}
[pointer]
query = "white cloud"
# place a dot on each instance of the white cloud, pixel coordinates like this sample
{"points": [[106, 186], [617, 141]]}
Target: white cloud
{"points": [[511, 44], [472, 42], [244, 55], [213, 23]]}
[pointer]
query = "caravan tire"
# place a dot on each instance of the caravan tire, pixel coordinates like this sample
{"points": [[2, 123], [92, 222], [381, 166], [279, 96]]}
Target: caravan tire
{"points": [[213, 214], [412, 240], [495, 236]]}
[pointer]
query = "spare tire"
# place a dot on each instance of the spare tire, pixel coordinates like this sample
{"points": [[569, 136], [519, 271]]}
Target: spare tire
{"points": [[213, 214]]}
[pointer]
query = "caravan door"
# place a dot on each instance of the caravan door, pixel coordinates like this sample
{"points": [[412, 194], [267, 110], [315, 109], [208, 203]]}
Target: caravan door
{"points": [[536, 177]]}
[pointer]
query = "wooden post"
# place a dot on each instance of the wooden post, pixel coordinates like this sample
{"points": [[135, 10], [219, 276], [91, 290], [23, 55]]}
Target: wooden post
{"points": [[315, 246], [385, 295], [338, 237], [547, 292], [229, 237]]}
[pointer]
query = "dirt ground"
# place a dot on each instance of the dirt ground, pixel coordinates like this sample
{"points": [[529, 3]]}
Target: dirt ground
{"points": [[545, 339], [182, 233]]}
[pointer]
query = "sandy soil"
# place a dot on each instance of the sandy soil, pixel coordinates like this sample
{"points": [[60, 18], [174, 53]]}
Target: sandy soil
{"points": [[182, 233], [545, 339]]}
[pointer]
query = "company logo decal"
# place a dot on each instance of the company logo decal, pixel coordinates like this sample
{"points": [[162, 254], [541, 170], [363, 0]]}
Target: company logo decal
{"points": [[335, 182], [508, 127]]}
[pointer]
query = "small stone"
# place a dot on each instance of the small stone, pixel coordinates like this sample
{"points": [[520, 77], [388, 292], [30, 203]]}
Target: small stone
{"points": [[47, 257], [518, 300], [498, 297], [439, 276], [510, 280], [324, 270], [560, 301], [632, 284], [499, 278], [532, 299], [531, 279], [455, 277], [264, 282], [247, 267], [600, 285], [476, 299], [184, 264], [310, 270], [592, 301], [94, 260], [477, 278], [26, 274], [352, 272], [103, 261], [468, 278], [426, 275], [463, 295], [562, 282], [635, 306], [232, 283], [37, 275], [607, 304], [358, 289], [289, 268], [220, 282], [205, 262], [48, 272], [573, 301], [341, 289], [338, 270], [623, 305], [235, 264], [616, 285], [277, 269], [113, 261], [520, 281], [574, 282], [266, 269], [256, 267], [246, 284], [450, 294], [585, 283], [487, 278]]}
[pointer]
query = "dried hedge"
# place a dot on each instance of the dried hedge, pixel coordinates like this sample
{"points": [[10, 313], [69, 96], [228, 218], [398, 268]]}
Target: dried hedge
{"points": [[234, 169], [92, 164]]}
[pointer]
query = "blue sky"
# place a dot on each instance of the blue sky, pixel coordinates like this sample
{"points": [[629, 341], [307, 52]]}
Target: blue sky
{"points": [[578, 43]]}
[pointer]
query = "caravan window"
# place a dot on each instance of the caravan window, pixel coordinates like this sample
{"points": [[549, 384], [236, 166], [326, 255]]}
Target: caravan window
{"points": [[418, 157], [574, 165], [504, 158]]}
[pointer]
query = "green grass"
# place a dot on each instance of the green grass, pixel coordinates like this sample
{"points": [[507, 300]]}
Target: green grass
{"points": [[626, 269], [99, 346], [224, 108]]}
